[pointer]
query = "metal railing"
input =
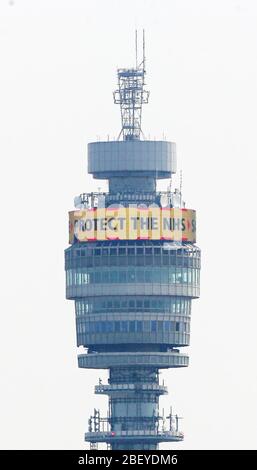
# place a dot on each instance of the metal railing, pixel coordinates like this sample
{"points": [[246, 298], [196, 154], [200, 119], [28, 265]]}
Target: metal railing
{"points": [[134, 433], [144, 387], [101, 199]]}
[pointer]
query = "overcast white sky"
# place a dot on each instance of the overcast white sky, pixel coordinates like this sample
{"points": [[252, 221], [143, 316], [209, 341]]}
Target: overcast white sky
{"points": [[58, 61]]}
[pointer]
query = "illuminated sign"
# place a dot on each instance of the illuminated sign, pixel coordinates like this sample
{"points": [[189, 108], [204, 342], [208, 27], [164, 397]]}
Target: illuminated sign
{"points": [[122, 223]]}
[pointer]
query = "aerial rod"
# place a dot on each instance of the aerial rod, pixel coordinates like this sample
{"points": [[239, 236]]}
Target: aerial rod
{"points": [[144, 50], [142, 63], [136, 45]]}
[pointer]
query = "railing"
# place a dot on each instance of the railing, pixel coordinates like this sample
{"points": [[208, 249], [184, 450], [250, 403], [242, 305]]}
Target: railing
{"points": [[144, 387], [99, 199], [150, 433]]}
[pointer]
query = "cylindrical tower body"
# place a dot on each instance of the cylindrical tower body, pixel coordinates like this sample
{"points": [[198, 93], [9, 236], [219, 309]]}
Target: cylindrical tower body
{"points": [[132, 269], [132, 291]]}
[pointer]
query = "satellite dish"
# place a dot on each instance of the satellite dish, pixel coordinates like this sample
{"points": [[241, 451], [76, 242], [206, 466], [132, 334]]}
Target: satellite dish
{"points": [[101, 201], [176, 198], [78, 202], [164, 200]]}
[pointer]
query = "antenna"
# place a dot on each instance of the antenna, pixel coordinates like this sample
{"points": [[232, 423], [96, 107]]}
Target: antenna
{"points": [[144, 51], [131, 95], [136, 45], [170, 416], [180, 181]]}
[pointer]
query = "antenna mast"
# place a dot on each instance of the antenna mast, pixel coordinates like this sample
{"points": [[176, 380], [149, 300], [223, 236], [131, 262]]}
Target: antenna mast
{"points": [[136, 46], [144, 51], [131, 95]]}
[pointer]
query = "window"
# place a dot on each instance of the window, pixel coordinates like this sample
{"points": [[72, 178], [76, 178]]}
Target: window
{"points": [[163, 275], [77, 308], [97, 261], [122, 261], [165, 260], [132, 326], [124, 326], [175, 306], [177, 326], [148, 260], [153, 326], [170, 275], [140, 276], [179, 261], [122, 276], [139, 326], [157, 260], [131, 276], [113, 276], [104, 260], [131, 260], [140, 261], [155, 275], [173, 258], [109, 327]]}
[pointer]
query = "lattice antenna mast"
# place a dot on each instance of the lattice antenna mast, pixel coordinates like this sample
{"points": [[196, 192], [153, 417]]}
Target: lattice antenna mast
{"points": [[131, 95]]}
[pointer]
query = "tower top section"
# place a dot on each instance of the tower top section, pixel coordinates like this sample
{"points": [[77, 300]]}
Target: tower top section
{"points": [[131, 95]]}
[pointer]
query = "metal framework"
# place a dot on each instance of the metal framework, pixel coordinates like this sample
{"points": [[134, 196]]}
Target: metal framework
{"points": [[131, 95]]}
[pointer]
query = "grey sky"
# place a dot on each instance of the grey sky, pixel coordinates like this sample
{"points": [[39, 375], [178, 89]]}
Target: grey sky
{"points": [[58, 61]]}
